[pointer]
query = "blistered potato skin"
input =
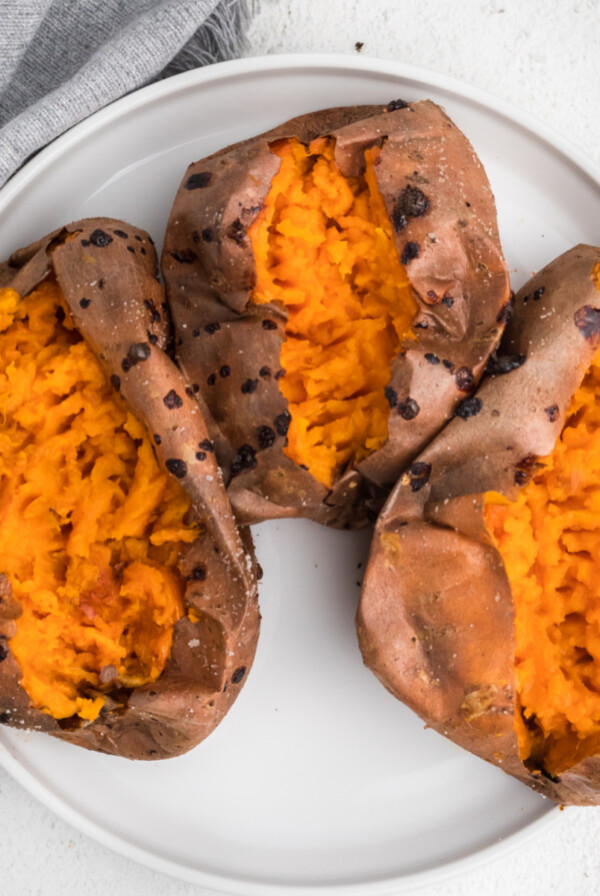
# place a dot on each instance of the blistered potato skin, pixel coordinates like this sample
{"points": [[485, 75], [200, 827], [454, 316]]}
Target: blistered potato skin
{"points": [[113, 265], [454, 262], [435, 620]]}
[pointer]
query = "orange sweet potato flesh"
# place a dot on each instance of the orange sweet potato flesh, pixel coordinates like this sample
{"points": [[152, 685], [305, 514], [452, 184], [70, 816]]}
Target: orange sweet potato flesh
{"points": [[336, 286], [324, 250], [478, 603], [128, 611], [549, 540], [91, 526]]}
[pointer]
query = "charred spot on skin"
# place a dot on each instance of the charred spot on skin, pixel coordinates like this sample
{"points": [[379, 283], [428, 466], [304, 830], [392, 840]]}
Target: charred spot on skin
{"points": [[121, 234], [172, 400], [206, 445], [469, 407], [279, 374], [418, 475], [265, 371], [115, 382], [464, 378], [198, 573], [448, 301], [551, 412], [236, 231], [411, 203], [395, 105], [212, 328], [195, 333], [138, 352], [408, 409], [199, 180], [245, 459], [152, 339], [448, 364], [505, 313], [100, 238], [410, 252], [3, 650], [265, 437], [211, 379], [131, 249], [538, 293], [200, 455], [225, 371], [526, 469], [85, 303], [422, 325], [177, 467], [101, 283], [431, 358], [238, 675], [157, 439], [399, 221], [282, 423], [249, 386], [155, 314], [85, 243], [269, 324], [391, 396], [587, 321], [184, 256], [500, 364], [207, 235]]}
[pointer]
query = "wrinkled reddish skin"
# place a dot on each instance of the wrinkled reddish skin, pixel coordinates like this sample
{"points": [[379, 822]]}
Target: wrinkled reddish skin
{"points": [[435, 619], [210, 281], [198, 685]]}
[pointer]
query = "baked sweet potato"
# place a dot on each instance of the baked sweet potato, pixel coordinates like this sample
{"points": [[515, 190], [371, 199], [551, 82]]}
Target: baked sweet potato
{"points": [[337, 285], [128, 605], [480, 602]]}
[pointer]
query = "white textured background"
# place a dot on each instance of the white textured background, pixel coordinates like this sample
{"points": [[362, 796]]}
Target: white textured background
{"points": [[544, 57]]}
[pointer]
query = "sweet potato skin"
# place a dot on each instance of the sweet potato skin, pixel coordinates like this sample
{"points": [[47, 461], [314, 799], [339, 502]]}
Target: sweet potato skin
{"points": [[436, 619], [455, 266], [113, 266]]}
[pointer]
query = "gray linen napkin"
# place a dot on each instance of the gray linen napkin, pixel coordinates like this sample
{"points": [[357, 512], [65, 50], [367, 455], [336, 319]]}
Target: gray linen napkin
{"points": [[61, 60]]}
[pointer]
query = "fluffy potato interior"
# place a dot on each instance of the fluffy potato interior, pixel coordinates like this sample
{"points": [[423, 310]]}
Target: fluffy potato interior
{"points": [[550, 543], [324, 249], [90, 527]]}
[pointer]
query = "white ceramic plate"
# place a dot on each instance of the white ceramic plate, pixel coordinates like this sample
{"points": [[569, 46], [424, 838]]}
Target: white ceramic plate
{"points": [[318, 780]]}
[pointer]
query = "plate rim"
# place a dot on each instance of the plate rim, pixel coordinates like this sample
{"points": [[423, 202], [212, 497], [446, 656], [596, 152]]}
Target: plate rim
{"points": [[235, 885], [120, 108], [511, 112]]}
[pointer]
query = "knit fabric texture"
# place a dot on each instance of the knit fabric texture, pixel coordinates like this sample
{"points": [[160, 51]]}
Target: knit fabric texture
{"points": [[61, 60]]}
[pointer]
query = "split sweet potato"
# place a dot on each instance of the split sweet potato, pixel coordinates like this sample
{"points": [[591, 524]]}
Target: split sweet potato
{"points": [[479, 605], [128, 605], [336, 286]]}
